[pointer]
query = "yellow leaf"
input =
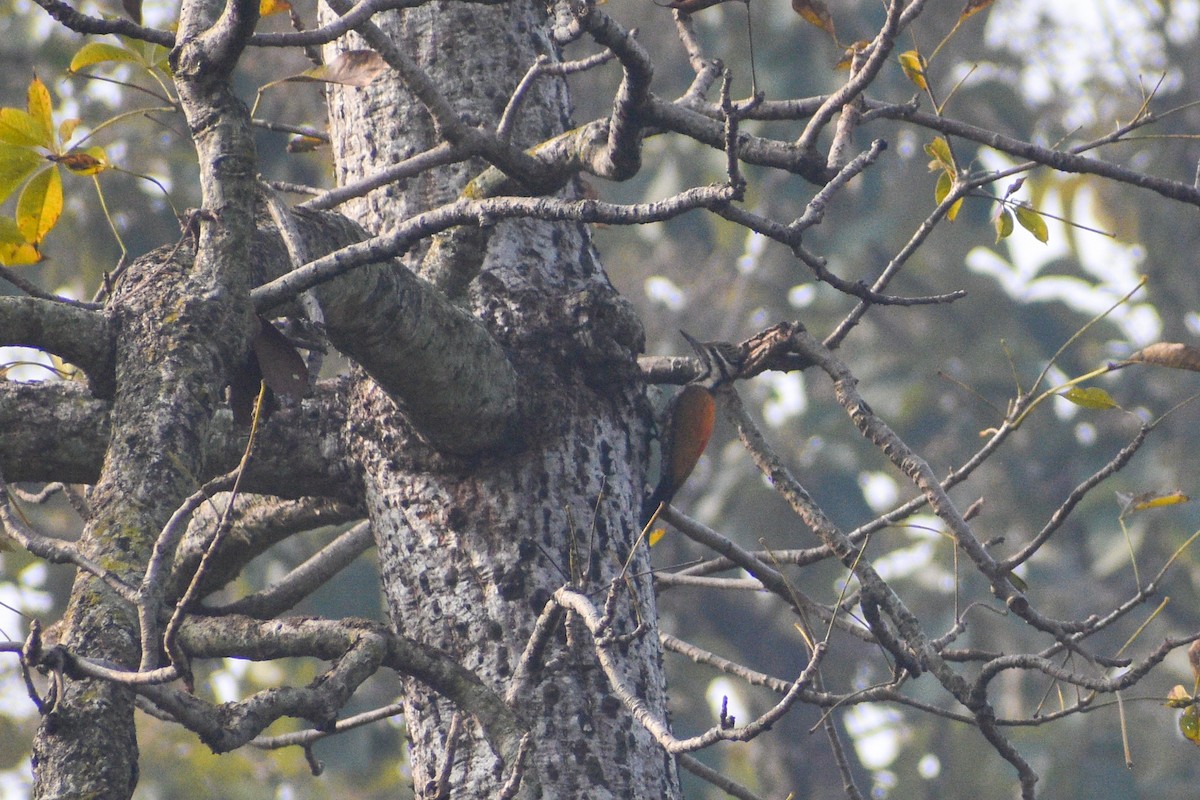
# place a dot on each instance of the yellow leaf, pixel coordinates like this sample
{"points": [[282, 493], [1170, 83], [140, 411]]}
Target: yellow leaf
{"points": [[815, 13], [94, 53], [1189, 725], [1032, 221], [944, 186], [952, 212], [1004, 225], [19, 128], [913, 66], [39, 109], [655, 535], [974, 7], [268, 7], [1090, 397], [14, 250], [40, 205], [66, 128]]}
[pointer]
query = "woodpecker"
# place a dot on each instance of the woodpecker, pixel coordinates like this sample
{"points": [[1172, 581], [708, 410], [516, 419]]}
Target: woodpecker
{"points": [[690, 418]]}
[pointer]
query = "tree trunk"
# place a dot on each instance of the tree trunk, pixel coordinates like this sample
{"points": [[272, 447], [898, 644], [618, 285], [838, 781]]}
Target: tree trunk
{"points": [[472, 548]]}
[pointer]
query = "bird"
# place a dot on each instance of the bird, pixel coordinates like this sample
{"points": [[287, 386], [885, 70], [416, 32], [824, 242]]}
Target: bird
{"points": [[690, 417]]}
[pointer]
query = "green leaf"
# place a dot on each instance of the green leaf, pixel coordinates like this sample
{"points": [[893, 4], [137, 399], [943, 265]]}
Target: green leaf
{"points": [[16, 164], [939, 151], [944, 185], [40, 205], [1032, 221], [19, 128], [1090, 397], [1004, 225], [1017, 581]]}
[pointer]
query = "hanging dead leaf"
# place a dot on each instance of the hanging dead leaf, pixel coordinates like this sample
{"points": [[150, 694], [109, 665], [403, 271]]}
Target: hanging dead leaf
{"points": [[815, 13], [974, 7], [351, 68], [282, 367], [268, 7], [656, 535], [1169, 354]]}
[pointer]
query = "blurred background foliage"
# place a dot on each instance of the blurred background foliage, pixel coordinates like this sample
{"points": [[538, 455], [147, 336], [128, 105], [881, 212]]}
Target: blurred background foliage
{"points": [[1049, 73]]}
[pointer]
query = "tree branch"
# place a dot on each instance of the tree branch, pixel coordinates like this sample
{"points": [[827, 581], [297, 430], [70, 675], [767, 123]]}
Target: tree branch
{"points": [[75, 335]]}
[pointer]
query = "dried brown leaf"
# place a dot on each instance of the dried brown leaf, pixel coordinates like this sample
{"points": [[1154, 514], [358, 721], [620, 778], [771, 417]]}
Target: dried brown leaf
{"points": [[282, 367], [974, 7], [351, 68], [815, 13], [1169, 354]]}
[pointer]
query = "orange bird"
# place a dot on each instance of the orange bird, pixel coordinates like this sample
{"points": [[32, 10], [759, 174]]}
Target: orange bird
{"points": [[691, 415]]}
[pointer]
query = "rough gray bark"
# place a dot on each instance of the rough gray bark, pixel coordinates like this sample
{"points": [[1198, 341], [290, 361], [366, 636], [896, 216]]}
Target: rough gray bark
{"points": [[471, 549], [175, 324]]}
